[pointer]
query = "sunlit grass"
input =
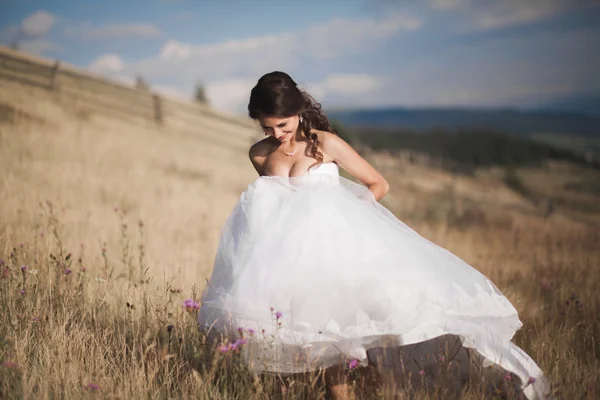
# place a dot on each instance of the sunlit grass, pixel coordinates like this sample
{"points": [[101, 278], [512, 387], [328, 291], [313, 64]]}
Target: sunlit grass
{"points": [[70, 328]]}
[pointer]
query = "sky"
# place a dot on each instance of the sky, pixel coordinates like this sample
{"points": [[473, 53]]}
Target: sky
{"points": [[346, 53]]}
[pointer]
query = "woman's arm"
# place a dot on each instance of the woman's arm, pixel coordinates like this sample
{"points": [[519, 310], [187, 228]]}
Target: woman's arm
{"points": [[347, 158]]}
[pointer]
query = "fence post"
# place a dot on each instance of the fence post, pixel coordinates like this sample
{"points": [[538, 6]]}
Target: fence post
{"points": [[54, 76], [158, 112]]}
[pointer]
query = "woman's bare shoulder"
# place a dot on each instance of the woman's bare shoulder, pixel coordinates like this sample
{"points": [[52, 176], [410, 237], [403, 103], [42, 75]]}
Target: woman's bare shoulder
{"points": [[259, 152], [321, 134], [261, 149], [326, 139]]}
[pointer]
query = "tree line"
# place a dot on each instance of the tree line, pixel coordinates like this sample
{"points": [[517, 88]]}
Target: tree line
{"points": [[476, 147]]}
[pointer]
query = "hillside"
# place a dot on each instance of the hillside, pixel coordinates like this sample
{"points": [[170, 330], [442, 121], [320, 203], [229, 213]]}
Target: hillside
{"points": [[180, 179], [577, 104]]}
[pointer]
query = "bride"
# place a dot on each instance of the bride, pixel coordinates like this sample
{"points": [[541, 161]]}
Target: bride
{"points": [[312, 272]]}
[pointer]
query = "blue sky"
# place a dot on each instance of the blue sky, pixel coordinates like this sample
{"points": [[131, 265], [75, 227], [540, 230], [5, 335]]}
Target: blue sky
{"points": [[347, 53]]}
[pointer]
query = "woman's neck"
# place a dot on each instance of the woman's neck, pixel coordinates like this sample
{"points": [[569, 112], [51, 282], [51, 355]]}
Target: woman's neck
{"points": [[298, 137], [295, 139]]}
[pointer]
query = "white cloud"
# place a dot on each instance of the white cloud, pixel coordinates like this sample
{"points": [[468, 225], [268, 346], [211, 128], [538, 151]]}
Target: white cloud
{"points": [[346, 36], [30, 34], [317, 90], [335, 38], [111, 63], [506, 13], [350, 84], [175, 50], [496, 14], [489, 72], [37, 24], [445, 5], [231, 94], [495, 72], [88, 31], [182, 64]]}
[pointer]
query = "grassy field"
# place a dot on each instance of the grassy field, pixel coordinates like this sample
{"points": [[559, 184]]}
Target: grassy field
{"points": [[106, 228]]}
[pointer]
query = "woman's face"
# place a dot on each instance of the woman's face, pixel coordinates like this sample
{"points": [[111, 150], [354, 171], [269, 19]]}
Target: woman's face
{"points": [[282, 129]]}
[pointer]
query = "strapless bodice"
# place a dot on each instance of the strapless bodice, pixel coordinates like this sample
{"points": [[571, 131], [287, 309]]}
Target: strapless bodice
{"points": [[324, 173], [329, 168]]}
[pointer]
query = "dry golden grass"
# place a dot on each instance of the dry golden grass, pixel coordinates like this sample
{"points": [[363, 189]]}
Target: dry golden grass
{"points": [[117, 225]]}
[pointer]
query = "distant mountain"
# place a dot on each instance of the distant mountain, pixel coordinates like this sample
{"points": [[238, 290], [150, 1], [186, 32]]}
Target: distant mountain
{"points": [[512, 121], [581, 105]]}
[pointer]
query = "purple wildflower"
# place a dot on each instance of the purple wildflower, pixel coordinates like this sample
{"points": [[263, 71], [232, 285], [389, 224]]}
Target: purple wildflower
{"points": [[240, 342], [92, 386], [67, 271], [353, 364], [422, 372], [223, 349], [251, 331], [9, 364], [278, 315], [233, 346], [23, 292], [191, 305], [241, 330], [24, 268]]}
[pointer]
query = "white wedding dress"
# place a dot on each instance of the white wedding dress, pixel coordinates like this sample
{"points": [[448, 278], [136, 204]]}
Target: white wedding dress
{"points": [[318, 271]]}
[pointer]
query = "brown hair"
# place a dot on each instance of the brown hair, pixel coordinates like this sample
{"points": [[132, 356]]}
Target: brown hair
{"points": [[277, 95]]}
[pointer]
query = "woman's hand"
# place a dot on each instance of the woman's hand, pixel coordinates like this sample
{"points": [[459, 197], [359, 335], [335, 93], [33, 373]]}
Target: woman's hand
{"points": [[347, 158]]}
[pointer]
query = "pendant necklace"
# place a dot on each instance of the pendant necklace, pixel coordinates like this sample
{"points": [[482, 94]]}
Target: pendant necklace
{"points": [[291, 153]]}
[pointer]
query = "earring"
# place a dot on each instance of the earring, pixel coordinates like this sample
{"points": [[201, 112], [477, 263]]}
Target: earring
{"points": [[301, 119]]}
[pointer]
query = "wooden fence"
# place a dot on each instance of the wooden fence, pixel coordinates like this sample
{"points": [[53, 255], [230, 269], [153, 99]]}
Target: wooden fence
{"points": [[117, 99]]}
